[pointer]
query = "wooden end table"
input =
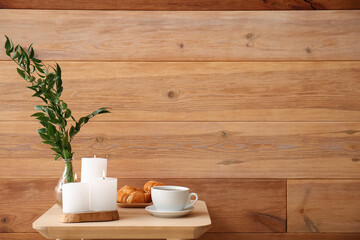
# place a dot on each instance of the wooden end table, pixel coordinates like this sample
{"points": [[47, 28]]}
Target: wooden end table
{"points": [[134, 223]]}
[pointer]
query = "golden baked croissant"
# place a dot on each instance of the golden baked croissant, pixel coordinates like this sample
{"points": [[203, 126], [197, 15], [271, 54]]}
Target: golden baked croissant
{"points": [[128, 194], [150, 184]]}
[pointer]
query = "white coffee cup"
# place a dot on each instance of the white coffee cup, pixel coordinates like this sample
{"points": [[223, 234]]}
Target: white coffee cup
{"points": [[172, 198]]}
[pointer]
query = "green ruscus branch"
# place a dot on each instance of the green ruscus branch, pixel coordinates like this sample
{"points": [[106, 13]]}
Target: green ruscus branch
{"points": [[54, 114]]}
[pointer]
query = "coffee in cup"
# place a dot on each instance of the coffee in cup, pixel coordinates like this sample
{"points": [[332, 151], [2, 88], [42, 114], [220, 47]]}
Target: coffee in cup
{"points": [[172, 198]]}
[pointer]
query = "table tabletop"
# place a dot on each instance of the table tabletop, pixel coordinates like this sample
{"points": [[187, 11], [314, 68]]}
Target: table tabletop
{"points": [[135, 223]]}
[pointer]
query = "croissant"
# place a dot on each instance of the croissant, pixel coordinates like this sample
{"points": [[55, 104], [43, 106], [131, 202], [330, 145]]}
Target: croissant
{"points": [[139, 197], [128, 194], [150, 184]]}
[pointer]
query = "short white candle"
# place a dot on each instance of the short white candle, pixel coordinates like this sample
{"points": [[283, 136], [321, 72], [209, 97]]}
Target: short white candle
{"points": [[75, 197], [92, 168], [103, 193]]}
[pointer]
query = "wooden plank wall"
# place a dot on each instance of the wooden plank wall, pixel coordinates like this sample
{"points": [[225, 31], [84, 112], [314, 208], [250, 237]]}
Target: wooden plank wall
{"points": [[257, 111]]}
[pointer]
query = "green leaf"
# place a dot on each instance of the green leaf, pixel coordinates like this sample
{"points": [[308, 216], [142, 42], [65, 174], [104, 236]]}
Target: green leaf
{"points": [[33, 88], [81, 120], [27, 62], [64, 105], [58, 69], [15, 55], [77, 127], [38, 67], [54, 120], [37, 94], [45, 101], [72, 132], [57, 156], [41, 130], [67, 113], [51, 115], [38, 114], [44, 136], [56, 149], [48, 94], [51, 143], [51, 129], [31, 51], [21, 73], [43, 119], [57, 138], [44, 123], [104, 111], [50, 86], [100, 111], [59, 91], [21, 58], [7, 43], [35, 60], [32, 69], [40, 108]]}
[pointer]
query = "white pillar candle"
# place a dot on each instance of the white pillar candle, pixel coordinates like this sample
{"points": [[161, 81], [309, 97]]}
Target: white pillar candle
{"points": [[75, 197], [92, 168], [103, 193]]}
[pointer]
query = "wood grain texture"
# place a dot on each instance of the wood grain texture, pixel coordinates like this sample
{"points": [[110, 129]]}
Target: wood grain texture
{"points": [[280, 236], [23, 201], [323, 205], [225, 236], [23, 236], [256, 205], [182, 4], [193, 150], [89, 217], [186, 35], [242, 91]]}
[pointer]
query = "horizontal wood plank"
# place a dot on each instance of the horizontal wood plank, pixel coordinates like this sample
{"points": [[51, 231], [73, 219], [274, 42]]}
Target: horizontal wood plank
{"points": [[323, 206], [193, 150], [241, 91], [23, 236], [225, 236], [182, 4], [280, 236], [185, 35], [256, 205]]}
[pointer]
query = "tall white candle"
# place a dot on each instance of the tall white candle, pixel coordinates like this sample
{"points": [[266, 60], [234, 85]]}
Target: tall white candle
{"points": [[75, 197], [92, 168], [103, 193]]}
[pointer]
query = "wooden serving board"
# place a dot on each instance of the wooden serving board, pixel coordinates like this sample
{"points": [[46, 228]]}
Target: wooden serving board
{"points": [[89, 217], [134, 205]]}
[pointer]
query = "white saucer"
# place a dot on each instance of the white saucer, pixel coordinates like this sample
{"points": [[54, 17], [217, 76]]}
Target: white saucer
{"points": [[168, 214]]}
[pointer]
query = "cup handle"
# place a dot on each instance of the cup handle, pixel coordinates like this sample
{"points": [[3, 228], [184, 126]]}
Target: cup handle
{"points": [[189, 205]]}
